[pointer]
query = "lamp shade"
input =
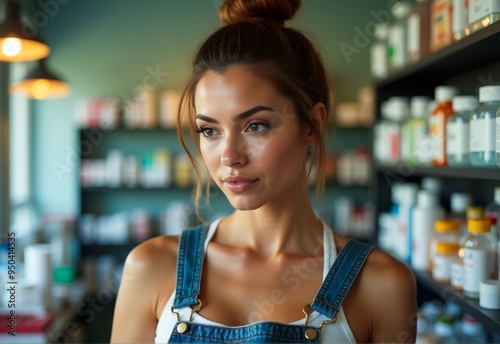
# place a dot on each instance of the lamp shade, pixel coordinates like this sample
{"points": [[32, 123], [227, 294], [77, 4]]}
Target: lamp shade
{"points": [[17, 42], [40, 83]]}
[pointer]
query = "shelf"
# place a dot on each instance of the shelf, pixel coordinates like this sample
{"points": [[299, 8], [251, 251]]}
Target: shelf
{"points": [[406, 170], [490, 318], [97, 189], [125, 129], [479, 49]]}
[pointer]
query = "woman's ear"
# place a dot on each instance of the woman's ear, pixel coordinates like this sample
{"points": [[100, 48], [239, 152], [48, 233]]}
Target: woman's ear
{"points": [[318, 114]]}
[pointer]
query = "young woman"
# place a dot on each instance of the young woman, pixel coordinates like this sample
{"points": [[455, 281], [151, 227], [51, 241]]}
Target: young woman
{"points": [[271, 271]]}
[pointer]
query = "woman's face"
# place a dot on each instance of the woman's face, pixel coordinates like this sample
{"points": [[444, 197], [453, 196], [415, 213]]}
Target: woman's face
{"points": [[250, 138]]}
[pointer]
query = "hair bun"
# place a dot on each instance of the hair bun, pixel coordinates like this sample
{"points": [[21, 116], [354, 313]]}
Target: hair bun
{"points": [[235, 11]]}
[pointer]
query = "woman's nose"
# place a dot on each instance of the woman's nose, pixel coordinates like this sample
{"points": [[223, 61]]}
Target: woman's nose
{"points": [[234, 152]]}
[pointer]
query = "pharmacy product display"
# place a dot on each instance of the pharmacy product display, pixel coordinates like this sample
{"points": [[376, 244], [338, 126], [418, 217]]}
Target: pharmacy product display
{"points": [[467, 64]]}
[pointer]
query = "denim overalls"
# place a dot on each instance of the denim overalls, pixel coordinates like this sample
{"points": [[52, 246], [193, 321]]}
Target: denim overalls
{"points": [[327, 301]]}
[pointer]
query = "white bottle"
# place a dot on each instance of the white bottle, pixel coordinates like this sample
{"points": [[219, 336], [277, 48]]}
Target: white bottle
{"points": [[399, 111], [397, 35], [427, 211], [380, 134], [415, 130], [408, 201]]}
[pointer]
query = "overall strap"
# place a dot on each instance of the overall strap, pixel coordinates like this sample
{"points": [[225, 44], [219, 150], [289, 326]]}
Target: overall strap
{"points": [[340, 278], [189, 266]]}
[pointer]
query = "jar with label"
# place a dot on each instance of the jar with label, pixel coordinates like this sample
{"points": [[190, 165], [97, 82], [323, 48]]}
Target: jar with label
{"points": [[483, 13], [419, 24], [441, 266], [479, 256], [482, 127], [445, 231], [437, 123], [441, 24], [457, 130]]}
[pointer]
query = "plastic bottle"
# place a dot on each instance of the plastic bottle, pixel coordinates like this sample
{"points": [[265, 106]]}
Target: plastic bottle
{"points": [[445, 230], [445, 328], [424, 215], [378, 52], [457, 130], [471, 330], [418, 39], [397, 35], [432, 184], [380, 134], [441, 265], [415, 129], [408, 200], [438, 120], [483, 13], [479, 256], [399, 112], [482, 127]]}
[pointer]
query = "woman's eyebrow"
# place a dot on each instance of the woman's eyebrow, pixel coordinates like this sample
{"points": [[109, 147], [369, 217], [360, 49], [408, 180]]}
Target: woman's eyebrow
{"points": [[238, 117]]}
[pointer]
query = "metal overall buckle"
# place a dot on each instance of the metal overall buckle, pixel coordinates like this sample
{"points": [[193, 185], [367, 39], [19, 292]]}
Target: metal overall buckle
{"points": [[182, 326], [311, 334]]}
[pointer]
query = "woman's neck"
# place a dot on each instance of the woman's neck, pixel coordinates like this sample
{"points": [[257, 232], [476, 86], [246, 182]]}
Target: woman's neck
{"points": [[288, 225]]}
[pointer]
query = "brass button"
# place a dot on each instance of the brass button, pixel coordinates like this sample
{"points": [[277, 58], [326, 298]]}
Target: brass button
{"points": [[311, 334], [182, 327]]}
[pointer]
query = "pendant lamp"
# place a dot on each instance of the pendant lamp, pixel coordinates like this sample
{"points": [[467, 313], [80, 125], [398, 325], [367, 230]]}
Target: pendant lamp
{"points": [[19, 42], [40, 83]]}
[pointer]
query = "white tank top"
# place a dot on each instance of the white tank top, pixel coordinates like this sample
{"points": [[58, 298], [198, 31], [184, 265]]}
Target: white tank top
{"points": [[339, 332]]}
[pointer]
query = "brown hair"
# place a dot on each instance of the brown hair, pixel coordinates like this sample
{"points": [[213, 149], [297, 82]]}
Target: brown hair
{"points": [[255, 36]]}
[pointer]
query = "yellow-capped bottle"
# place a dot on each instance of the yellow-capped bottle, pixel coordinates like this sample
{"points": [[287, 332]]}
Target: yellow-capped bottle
{"points": [[479, 256]]}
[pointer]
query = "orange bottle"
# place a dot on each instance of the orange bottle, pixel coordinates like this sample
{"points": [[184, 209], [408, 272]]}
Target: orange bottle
{"points": [[437, 123]]}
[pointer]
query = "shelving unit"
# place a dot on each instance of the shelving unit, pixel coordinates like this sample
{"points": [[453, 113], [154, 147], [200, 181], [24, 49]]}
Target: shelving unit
{"points": [[468, 64]]}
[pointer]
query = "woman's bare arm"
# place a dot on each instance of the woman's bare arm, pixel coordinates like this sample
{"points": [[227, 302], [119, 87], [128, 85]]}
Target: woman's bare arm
{"points": [[148, 273]]}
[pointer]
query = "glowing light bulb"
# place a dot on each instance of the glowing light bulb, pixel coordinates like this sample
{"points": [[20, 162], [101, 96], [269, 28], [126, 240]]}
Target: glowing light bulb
{"points": [[40, 89], [11, 46]]}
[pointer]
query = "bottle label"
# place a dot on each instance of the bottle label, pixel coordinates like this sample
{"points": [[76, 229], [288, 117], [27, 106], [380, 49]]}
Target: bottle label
{"points": [[457, 138], [394, 143], [457, 275], [482, 135], [436, 130], [498, 134], [441, 267], [478, 266]]}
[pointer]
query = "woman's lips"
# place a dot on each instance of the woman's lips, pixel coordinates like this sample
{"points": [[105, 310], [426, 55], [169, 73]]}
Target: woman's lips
{"points": [[238, 183]]}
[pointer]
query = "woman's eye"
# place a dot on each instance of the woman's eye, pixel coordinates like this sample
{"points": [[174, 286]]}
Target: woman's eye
{"points": [[207, 132], [257, 127]]}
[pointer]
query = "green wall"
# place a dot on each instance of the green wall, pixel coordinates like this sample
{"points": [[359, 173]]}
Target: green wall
{"points": [[107, 47]]}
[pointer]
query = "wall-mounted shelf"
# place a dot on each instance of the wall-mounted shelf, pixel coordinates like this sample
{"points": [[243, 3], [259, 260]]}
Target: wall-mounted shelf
{"points": [[483, 173], [489, 318]]}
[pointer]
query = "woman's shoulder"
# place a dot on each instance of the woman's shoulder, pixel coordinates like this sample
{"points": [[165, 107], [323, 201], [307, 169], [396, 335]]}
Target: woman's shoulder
{"points": [[159, 250]]}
